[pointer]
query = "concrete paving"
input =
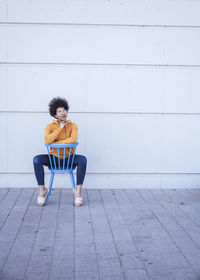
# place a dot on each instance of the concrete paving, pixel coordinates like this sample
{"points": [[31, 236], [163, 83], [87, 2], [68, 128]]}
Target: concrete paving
{"points": [[131, 234]]}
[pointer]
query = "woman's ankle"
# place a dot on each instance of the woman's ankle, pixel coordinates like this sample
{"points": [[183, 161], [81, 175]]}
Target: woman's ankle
{"points": [[42, 190], [77, 192], [78, 189]]}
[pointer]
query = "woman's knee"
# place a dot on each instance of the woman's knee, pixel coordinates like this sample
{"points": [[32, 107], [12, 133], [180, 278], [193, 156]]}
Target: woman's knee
{"points": [[36, 159], [42, 159], [83, 160]]}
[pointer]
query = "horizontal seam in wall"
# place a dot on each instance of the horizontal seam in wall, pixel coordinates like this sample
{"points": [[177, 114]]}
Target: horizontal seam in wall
{"points": [[109, 113], [100, 24], [102, 173], [127, 65]]}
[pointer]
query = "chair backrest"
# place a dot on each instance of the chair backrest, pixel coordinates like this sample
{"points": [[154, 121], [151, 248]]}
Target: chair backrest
{"points": [[61, 167]]}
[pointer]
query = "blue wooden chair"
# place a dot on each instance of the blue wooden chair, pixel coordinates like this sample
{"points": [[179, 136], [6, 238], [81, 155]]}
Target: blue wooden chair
{"points": [[58, 165]]}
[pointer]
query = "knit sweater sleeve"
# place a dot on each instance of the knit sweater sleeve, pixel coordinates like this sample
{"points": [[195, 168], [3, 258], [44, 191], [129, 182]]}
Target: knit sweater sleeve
{"points": [[50, 134], [72, 139]]}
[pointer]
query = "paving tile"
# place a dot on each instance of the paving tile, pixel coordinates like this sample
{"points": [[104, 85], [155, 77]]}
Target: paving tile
{"points": [[57, 277], [86, 263], [36, 276], [87, 275], [112, 277], [62, 268], [132, 261], [136, 274], [109, 266], [39, 264], [126, 247], [15, 268]]}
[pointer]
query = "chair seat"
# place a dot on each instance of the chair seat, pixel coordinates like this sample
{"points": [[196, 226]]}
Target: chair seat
{"points": [[61, 170]]}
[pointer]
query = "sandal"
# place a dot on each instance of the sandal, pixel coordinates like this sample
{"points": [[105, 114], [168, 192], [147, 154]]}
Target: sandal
{"points": [[77, 200], [41, 199]]}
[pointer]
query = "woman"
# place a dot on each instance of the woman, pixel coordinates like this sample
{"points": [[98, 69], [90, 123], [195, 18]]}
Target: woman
{"points": [[60, 131]]}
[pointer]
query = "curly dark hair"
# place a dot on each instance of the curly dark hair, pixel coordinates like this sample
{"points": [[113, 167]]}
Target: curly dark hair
{"points": [[57, 102]]}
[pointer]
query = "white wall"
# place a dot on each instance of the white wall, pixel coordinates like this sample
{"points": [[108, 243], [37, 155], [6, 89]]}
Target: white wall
{"points": [[130, 71]]}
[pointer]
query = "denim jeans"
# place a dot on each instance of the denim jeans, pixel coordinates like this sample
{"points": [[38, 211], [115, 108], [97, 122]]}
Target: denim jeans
{"points": [[40, 160]]}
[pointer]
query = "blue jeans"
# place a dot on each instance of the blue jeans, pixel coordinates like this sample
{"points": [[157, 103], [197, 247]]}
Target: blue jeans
{"points": [[43, 159]]}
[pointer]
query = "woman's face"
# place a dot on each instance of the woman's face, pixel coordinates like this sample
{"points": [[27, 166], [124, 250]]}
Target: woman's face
{"points": [[61, 114]]}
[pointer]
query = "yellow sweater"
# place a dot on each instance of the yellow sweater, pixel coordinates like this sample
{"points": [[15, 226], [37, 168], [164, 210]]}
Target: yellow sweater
{"points": [[55, 134]]}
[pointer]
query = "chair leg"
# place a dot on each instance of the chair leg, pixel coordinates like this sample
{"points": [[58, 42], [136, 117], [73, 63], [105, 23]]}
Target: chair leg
{"points": [[50, 187], [72, 179]]}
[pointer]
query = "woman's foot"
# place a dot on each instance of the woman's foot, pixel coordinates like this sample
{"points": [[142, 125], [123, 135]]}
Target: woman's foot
{"points": [[78, 201], [42, 197]]}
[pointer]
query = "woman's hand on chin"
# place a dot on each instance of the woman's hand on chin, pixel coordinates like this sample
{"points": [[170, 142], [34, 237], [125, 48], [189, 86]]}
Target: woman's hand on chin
{"points": [[62, 124]]}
